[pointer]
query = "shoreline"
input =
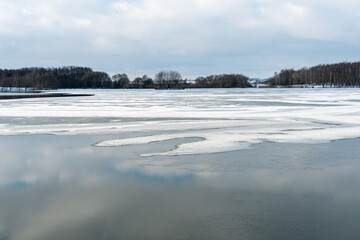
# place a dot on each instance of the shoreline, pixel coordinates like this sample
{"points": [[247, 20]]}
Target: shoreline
{"points": [[40, 95]]}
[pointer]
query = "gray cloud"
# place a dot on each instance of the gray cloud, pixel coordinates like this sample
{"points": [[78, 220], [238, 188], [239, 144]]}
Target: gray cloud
{"points": [[195, 37]]}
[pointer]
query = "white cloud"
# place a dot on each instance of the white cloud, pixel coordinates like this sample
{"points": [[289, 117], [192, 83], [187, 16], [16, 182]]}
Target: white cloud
{"points": [[171, 33]]}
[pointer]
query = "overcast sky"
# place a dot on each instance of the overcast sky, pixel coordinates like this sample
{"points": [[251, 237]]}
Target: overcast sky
{"points": [[195, 37]]}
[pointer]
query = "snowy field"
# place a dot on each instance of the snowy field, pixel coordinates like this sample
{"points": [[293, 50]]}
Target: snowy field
{"points": [[222, 119]]}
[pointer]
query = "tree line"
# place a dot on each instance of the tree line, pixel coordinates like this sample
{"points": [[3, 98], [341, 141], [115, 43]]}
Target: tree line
{"points": [[84, 77], [44, 78], [346, 74], [330, 75], [223, 81]]}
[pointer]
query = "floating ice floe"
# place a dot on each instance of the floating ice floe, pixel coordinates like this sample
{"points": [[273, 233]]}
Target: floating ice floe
{"points": [[221, 141]]}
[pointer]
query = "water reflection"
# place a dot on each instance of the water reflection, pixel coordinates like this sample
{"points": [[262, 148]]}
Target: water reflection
{"points": [[59, 187]]}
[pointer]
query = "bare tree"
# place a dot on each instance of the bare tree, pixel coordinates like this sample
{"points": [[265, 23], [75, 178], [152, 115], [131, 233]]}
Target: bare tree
{"points": [[168, 79]]}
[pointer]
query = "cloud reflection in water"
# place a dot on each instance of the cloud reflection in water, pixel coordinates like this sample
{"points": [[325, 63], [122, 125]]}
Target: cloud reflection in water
{"points": [[59, 187]]}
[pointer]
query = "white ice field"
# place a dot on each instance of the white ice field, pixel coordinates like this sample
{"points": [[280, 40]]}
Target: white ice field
{"points": [[222, 119]]}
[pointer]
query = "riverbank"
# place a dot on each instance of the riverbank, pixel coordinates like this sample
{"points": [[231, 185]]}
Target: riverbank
{"points": [[6, 96]]}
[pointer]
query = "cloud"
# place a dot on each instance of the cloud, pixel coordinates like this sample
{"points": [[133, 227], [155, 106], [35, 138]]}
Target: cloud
{"points": [[149, 35]]}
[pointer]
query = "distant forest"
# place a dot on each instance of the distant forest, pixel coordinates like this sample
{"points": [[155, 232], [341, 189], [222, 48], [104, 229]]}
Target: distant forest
{"points": [[331, 75], [83, 77]]}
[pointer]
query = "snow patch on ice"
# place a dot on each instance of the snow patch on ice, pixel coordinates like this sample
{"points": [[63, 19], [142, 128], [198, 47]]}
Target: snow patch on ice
{"points": [[221, 141]]}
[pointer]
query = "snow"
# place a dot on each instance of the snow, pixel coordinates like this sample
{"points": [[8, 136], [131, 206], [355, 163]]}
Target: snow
{"points": [[221, 119]]}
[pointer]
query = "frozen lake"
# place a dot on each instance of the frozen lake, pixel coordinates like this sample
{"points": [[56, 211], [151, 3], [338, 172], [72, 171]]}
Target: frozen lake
{"points": [[193, 164], [225, 120]]}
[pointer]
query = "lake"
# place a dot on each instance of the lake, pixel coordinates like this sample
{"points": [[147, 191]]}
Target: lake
{"points": [[193, 164]]}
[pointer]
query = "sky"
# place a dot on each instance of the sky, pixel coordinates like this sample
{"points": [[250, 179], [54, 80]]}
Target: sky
{"points": [[194, 37]]}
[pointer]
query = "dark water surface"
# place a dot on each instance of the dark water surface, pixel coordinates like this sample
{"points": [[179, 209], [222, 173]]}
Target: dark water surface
{"points": [[60, 187]]}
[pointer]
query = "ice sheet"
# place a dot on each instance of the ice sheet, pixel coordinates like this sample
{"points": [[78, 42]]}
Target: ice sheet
{"points": [[225, 119]]}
